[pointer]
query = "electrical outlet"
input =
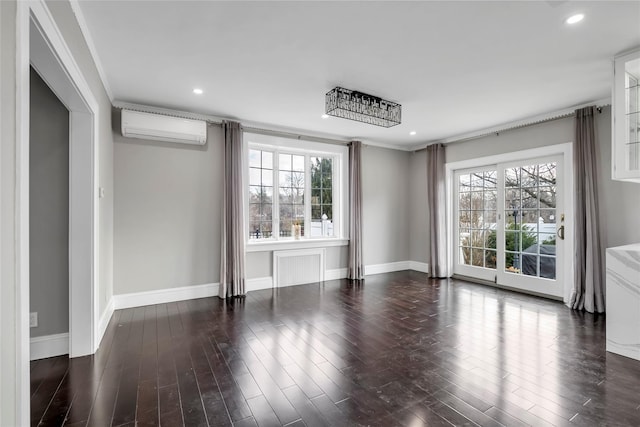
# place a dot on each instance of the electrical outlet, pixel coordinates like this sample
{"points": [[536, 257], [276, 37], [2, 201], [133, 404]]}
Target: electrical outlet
{"points": [[33, 319]]}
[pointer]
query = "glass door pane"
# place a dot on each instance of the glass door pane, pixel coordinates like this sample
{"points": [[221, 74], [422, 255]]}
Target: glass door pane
{"points": [[530, 205], [529, 213], [476, 222], [505, 223]]}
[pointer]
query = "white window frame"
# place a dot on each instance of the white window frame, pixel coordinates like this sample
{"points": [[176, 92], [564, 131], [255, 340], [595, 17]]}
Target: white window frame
{"points": [[483, 273], [280, 145]]}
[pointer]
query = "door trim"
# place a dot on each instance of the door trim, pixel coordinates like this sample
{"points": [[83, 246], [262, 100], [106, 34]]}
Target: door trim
{"points": [[54, 61], [566, 150]]}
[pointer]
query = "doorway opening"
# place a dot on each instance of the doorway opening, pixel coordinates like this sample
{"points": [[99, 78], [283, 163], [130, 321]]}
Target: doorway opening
{"points": [[50, 57], [39, 44], [48, 222]]}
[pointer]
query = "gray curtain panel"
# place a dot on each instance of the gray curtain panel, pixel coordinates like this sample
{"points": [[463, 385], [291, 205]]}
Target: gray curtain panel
{"points": [[356, 266], [232, 274], [588, 289], [436, 203]]}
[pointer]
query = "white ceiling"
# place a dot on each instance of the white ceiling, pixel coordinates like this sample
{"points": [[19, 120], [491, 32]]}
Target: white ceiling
{"points": [[456, 67]]}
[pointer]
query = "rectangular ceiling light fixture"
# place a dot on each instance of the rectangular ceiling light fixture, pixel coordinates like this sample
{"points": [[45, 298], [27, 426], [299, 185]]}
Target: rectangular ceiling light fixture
{"points": [[358, 106]]}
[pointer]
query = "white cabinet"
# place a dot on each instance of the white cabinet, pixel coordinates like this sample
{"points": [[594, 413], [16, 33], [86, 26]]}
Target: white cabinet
{"points": [[626, 117], [623, 300]]}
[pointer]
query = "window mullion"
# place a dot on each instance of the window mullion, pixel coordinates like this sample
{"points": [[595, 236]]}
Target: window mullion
{"points": [[275, 213], [336, 196], [307, 195]]}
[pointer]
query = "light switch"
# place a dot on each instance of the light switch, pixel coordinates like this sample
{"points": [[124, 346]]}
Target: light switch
{"points": [[33, 319]]}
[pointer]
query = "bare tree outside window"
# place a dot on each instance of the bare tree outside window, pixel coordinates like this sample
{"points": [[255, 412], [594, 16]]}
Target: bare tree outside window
{"points": [[291, 192], [530, 219], [321, 195], [260, 194], [530, 215], [477, 204]]}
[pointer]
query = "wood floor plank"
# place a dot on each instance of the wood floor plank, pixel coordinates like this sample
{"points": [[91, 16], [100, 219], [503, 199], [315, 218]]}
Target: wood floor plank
{"points": [[425, 414], [467, 410], [169, 399], [281, 406], [126, 401], [234, 401], [46, 390], [303, 381], [307, 410], [40, 371], [504, 418], [247, 422], [451, 415], [190, 397], [147, 411], [397, 349], [263, 413], [329, 410]]}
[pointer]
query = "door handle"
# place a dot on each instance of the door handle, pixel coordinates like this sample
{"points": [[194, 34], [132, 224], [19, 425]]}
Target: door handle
{"points": [[560, 232]]}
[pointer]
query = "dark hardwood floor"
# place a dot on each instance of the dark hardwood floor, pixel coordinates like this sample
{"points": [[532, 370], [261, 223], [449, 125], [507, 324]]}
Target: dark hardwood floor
{"points": [[398, 350]]}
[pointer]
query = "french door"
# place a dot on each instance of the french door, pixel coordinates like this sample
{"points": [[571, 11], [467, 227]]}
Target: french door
{"points": [[509, 224]]}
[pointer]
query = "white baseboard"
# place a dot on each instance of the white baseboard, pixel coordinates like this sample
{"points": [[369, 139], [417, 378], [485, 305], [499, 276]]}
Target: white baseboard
{"points": [[163, 296], [337, 274], [104, 322], [49, 346], [422, 267], [259, 283], [386, 268], [60, 342], [628, 350]]}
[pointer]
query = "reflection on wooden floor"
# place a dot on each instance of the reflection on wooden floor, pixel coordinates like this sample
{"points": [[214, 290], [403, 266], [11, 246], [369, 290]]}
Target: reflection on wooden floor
{"points": [[398, 350]]}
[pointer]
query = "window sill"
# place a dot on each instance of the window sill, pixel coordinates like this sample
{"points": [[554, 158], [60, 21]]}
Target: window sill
{"points": [[295, 244]]}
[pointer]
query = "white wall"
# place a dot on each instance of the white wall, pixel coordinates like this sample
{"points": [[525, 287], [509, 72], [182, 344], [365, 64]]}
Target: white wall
{"points": [[167, 212], [418, 212], [385, 205], [259, 264], [68, 25], [619, 201], [48, 210], [549, 133], [8, 281], [167, 215], [9, 313]]}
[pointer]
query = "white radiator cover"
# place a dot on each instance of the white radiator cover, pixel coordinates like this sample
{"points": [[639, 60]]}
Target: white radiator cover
{"points": [[297, 267]]}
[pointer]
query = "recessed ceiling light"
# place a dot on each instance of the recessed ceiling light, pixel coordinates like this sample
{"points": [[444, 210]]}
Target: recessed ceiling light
{"points": [[413, 132], [325, 116], [198, 91], [575, 18]]}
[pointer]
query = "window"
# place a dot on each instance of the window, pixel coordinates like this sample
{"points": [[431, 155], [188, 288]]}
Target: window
{"points": [[291, 168], [294, 189], [321, 196], [261, 193]]}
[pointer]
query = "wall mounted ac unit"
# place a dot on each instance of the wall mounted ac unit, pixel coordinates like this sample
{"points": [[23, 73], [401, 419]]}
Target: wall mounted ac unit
{"points": [[163, 128]]}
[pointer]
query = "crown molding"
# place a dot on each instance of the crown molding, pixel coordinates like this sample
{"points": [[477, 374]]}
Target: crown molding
{"points": [[516, 124]]}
